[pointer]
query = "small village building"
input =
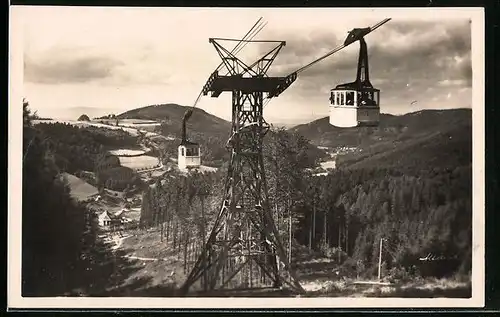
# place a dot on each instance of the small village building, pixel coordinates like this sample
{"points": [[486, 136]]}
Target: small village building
{"points": [[107, 221], [104, 220]]}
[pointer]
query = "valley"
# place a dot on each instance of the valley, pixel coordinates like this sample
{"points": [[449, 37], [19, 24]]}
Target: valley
{"points": [[340, 191]]}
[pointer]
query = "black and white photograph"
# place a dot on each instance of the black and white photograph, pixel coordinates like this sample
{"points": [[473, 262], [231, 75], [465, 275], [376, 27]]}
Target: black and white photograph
{"points": [[245, 157]]}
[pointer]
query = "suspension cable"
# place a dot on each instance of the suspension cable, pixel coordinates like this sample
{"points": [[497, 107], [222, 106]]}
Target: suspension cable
{"points": [[238, 46], [338, 48], [335, 50], [257, 31]]}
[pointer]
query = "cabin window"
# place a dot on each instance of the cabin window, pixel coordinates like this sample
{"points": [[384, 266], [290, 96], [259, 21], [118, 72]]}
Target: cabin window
{"points": [[350, 98], [182, 151], [192, 152], [366, 98]]}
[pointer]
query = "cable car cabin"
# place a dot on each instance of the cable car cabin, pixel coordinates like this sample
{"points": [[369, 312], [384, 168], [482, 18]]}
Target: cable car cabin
{"points": [[354, 107], [189, 155], [356, 103]]}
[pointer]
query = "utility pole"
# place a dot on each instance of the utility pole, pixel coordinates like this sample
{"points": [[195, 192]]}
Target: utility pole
{"points": [[339, 248], [289, 232], [310, 234], [380, 259]]}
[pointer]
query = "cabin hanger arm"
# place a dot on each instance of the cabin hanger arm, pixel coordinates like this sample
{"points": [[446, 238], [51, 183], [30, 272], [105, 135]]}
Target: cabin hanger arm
{"points": [[354, 35]]}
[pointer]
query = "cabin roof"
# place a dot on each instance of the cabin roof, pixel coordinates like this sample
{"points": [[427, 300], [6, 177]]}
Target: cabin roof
{"points": [[104, 215], [188, 143], [355, 88]]}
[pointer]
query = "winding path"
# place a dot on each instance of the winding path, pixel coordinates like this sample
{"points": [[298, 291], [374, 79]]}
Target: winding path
{"points": [[118, 241]]}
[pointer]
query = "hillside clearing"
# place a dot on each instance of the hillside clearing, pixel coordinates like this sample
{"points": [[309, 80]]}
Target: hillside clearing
{"points": [[139, 162], [80, 189], [328, 164], [119, 152]]}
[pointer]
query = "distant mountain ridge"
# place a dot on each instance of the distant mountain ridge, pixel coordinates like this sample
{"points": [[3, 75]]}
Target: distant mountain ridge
{"points": [[391, 127], [201, 122], [432, 137]]}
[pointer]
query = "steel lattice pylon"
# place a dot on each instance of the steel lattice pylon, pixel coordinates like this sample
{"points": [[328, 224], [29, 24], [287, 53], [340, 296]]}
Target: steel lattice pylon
{"points": [[244, 248]]}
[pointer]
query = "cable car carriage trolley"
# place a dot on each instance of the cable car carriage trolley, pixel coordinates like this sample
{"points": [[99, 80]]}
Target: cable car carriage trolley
{"points": [[356, 103]]}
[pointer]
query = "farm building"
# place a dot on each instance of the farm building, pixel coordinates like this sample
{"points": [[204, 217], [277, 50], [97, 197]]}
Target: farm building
{"points": [[104, 219], [107, 221]]}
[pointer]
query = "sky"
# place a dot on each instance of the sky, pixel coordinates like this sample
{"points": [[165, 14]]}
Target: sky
{"points": [[110, 60]]}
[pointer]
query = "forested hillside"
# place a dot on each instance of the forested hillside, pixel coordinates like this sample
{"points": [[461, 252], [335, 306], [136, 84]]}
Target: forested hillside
{"points": [[77, 148], [428, 212], [417, 197], [59, 246], [409, 181], [411, 141], [390, 128], [185, 206]]}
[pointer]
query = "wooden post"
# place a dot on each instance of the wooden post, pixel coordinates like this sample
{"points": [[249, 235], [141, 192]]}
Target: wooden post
{"points": [[325, 225], [289, 232], [186, 242], [203, 222], [162, 222], [346, 235], [339, 248], [380, 259], [310, 234], [314, 223], [249, 254]]}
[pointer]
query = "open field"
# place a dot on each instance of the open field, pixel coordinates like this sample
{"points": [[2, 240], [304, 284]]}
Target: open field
{"points": [[119, 152], [139, 162], [80, 189], [130, 128], [328, 164], [132, 131], [133, 213], [137, 121]]}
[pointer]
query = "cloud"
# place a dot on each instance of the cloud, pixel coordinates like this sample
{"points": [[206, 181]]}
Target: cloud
{"points": [[79, 65], [67, 66], [403, 56]]}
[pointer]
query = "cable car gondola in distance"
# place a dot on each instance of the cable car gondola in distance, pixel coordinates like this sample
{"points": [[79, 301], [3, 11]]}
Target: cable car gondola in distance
{"points": [[189, 154]]}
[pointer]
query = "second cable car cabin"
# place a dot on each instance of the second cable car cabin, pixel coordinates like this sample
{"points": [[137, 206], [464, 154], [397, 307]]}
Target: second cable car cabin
{"points": [[356, 103], [189, 155]]}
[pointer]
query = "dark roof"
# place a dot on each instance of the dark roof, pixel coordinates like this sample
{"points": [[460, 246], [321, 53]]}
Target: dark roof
{"points": [[354, 87], [186, 142]]}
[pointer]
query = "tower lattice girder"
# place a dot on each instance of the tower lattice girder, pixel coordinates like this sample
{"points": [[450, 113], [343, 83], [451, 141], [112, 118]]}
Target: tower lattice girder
{"points": [[244, 240], [218, 84]]}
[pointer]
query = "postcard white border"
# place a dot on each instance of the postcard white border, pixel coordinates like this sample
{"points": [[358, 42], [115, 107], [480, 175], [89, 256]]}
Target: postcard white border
{"points": [[16, 301]]}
